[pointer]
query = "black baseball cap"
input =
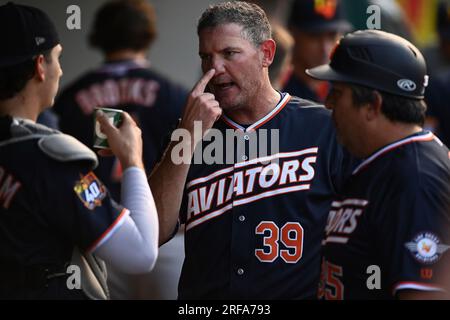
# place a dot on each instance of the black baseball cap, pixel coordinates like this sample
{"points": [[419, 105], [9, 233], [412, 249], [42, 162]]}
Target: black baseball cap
{"points": [[25, 32], [318, 16], [443, 19]]}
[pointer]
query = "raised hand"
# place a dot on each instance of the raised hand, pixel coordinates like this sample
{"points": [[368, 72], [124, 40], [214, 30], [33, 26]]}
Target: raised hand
{"points": [[125, 142], [201, 106]]}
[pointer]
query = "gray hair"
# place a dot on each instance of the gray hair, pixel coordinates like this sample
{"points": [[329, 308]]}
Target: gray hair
{"points": [[255, 25]]}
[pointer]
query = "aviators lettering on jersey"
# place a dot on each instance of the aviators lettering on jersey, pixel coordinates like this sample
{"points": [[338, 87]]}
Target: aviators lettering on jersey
{"points": [[343, 219], [245, 182]]}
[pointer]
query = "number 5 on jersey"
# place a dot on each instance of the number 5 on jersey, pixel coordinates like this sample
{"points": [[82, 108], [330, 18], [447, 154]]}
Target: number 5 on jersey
{"points": [[290, 236]]}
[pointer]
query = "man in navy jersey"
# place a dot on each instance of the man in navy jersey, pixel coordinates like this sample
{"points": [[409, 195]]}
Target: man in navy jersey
{"points": [[254, 220], [123, 31], [387, 234], [56, 217]]}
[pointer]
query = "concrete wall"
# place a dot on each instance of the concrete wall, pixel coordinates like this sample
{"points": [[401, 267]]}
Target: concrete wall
{"points": [[174, 53]]}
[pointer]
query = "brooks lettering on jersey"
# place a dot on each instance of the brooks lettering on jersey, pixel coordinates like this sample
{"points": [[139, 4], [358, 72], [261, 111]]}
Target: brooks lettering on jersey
{"points": [[122, 92]]}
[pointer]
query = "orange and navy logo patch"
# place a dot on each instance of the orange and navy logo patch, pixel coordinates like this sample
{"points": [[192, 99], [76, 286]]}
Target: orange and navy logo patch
{"points": [[325, 8], [90, 190]]}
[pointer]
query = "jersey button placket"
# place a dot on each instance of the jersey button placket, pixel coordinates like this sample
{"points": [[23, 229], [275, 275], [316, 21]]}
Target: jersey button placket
{"points": [[246, 144]]}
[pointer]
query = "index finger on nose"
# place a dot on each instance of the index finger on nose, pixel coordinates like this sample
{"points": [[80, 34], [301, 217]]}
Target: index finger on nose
{"points": [[203, 82]]}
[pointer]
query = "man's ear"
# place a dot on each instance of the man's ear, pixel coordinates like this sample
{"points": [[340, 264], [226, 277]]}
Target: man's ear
{"points": [[40, 67], [268, 49], [374, 108]]}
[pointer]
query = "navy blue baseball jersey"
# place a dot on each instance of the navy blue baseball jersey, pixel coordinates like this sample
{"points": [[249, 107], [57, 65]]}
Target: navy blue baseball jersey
{"points": [[47, 207], [254, 223], [153, 102], [389, 230]]}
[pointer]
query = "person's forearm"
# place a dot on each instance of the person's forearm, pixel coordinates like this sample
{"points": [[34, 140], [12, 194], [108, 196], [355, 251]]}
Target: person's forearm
{"points": [[132, 246], [138, 198], [167, 183]]}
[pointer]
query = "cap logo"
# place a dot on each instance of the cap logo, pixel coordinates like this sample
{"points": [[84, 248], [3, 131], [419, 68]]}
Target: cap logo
{"points": [[325, 8], [406, 85], [39, 40]]}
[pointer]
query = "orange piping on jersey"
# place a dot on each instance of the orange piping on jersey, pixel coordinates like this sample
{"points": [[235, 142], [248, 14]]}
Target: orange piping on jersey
{"points": [[96, 243], [230, 124], [426, 137], [272, 116], [284, 101]]}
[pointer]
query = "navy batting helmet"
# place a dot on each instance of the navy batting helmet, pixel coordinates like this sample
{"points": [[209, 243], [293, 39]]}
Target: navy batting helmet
{"points": [[378, 60]]}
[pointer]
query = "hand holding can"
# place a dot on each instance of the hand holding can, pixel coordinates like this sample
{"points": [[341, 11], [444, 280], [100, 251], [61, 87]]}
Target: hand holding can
{"points": [[115, 118], [125, 142]]}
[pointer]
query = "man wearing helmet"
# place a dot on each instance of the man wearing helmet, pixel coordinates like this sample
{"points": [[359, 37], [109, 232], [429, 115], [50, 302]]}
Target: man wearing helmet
{"points": [[387, 234]]}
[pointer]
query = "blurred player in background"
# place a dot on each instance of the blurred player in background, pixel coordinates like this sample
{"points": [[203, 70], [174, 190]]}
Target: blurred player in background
{"points": [[315, 27], [281, 67], [124, 30]]}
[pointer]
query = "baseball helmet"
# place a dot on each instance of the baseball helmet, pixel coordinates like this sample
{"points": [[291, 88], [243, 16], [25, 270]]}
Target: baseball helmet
{"points": [[378, 60]]}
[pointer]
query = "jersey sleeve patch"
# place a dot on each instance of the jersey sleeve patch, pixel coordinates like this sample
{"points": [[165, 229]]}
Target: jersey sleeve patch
{"points": [[90, 190], [426, 248]]}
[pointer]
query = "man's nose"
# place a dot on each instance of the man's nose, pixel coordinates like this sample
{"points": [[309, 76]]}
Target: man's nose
{"points": [[218, 64]]}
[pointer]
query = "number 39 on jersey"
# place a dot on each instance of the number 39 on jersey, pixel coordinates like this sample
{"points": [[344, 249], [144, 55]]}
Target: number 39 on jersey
{"points": [[285, 242]]}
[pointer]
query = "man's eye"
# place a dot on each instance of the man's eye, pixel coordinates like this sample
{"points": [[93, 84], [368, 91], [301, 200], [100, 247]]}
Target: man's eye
{"points": [[230, 53]]}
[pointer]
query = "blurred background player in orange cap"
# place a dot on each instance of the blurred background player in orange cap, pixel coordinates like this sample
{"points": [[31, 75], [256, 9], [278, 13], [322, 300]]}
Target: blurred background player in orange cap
{"points": [[315, 27]]}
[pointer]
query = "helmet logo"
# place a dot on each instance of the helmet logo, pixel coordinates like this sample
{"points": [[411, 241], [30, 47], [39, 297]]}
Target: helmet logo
{"points": [[406, 85]]}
